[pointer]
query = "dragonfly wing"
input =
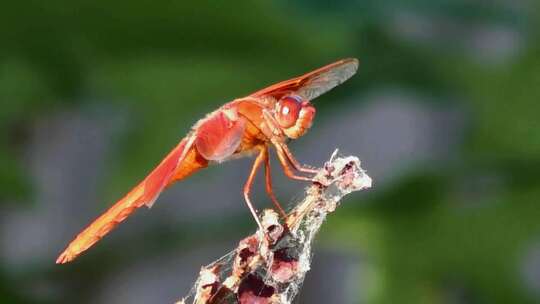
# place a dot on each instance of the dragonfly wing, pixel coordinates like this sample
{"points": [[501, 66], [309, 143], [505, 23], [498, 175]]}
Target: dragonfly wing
{"points": [[144, 193], [315, 83]]}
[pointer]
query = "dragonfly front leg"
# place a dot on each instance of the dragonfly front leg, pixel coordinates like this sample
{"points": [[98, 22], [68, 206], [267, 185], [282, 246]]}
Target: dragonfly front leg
{"points": [[284, 161], [295, 163], [285, 156]]}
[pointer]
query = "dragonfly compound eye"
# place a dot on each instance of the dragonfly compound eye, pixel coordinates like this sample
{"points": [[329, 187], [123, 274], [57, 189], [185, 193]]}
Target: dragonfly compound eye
{"points": [[288, 110]]}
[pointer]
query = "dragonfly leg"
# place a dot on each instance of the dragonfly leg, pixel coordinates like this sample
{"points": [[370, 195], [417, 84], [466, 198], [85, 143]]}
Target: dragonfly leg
{"points": [[269, 189], [295, 163], [247, 187], [282, 148], [283, 159]]}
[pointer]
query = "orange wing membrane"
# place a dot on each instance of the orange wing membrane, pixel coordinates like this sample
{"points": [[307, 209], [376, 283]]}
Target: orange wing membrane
{"points": [[144, 193], [315, 83]]}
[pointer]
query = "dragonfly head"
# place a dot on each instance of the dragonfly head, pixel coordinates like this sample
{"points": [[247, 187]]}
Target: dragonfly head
{"points": [[294, 115]]}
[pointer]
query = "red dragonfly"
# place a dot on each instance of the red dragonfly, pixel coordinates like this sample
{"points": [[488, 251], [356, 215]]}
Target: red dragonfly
{"points": [[242, 127]]}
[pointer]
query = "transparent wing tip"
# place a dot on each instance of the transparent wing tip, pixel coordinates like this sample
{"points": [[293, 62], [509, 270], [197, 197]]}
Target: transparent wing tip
{"points": [[349, 67], [329, 77]]}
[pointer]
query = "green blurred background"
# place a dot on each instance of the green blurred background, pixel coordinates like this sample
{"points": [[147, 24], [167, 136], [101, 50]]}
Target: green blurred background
{"points": [[444, 113]]}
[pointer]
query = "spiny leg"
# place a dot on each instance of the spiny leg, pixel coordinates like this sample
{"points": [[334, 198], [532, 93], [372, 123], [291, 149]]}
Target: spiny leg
{"points": [[282, 148], [247, 187], [283, 159], [269, 189], [295, 163]]}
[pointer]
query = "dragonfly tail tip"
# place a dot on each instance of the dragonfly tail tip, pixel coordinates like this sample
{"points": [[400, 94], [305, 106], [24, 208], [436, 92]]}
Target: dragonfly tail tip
{"points": [[64, 258]]}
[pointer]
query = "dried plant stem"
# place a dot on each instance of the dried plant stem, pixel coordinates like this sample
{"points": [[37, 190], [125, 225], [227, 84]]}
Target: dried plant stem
{"points": [[269, 266]]}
